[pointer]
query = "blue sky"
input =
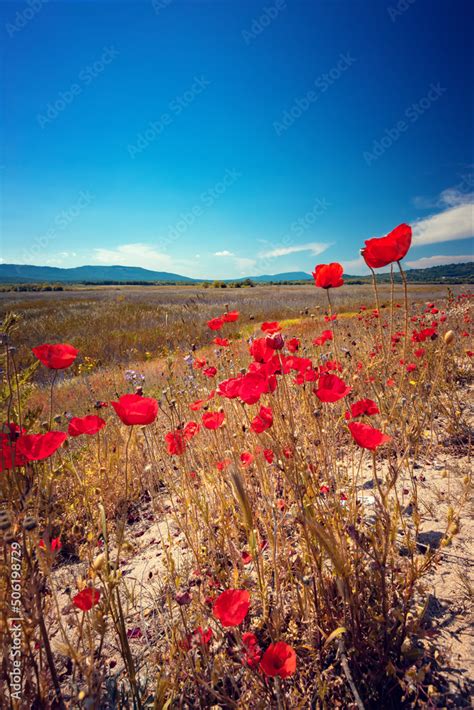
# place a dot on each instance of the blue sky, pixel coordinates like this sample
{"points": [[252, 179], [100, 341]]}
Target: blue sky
{"points": [[230, 138]]}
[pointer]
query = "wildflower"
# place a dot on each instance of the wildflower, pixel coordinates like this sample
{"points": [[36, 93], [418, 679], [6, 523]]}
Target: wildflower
{"points": [[190, 430], [279, 660], [213, 420], [246, 458], [55, 544], [36, 447], [56, 357], [86, 599], [382, 251], [199, 363], [263, 420], [231, 607], [215, 323], [91, 424], [222, 465], [229, 388], [261, 351], [175, 442], [366, 436], [269, 455], [230, 317], [222, 342], [293, 344], [328, 275], [210, 371], [363, 406], [271, 328], [253, 652], [331, 388], [133, 409], [325, 335]]}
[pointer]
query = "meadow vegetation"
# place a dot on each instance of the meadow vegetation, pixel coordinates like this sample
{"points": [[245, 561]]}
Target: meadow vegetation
{"points": [[244, 530]]}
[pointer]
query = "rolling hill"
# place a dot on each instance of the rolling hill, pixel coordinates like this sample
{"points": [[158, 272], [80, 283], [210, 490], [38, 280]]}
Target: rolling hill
{"points": [[25, 274]]}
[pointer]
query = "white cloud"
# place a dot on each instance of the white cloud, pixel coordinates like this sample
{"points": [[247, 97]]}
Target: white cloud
{"points": [[314, 248], [438, 260], [455, 221], [133, 255], [223, 253]]}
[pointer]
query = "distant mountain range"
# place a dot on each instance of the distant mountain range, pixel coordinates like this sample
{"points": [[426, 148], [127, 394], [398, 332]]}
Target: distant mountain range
{"points": [[24, 274]]}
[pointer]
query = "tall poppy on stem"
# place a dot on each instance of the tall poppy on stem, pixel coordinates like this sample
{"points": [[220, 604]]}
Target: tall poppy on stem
{"points": [[56, 357], [133, 409]]}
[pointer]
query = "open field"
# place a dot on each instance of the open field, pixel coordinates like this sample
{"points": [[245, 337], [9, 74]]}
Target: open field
{"points": [[125, 324], [241, 544]]}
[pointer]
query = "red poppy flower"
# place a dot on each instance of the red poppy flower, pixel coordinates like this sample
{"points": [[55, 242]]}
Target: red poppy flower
{"points": [[36, 447], [9, 456], [222, 342], [135, 409], [175, 442], [230, 388], [271, 328], [263, 420], [197, 405], [230, 317], [364, 406], [246, 458], [222, 465], [86, 599], [328, 275], [215, 323], [199, 363], [366, 436], [190, 430], [231, 607], [90, 424], [261, 350], [210, 371], [325, 335], [331, 388], [279, 660], [269, 455], [293, 344], [382, 251], [252, 386], [55, 544], [56, 357], [213, 420], [253, 652]]}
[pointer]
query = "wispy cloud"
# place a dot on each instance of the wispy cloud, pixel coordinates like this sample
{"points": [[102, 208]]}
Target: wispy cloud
{"points": [[455, 221], [314, 248], [223, 253], [137, 254], [438, 260]]}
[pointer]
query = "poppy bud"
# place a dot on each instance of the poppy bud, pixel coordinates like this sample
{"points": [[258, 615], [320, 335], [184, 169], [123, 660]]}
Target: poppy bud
{"points": [[449, 337]]}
